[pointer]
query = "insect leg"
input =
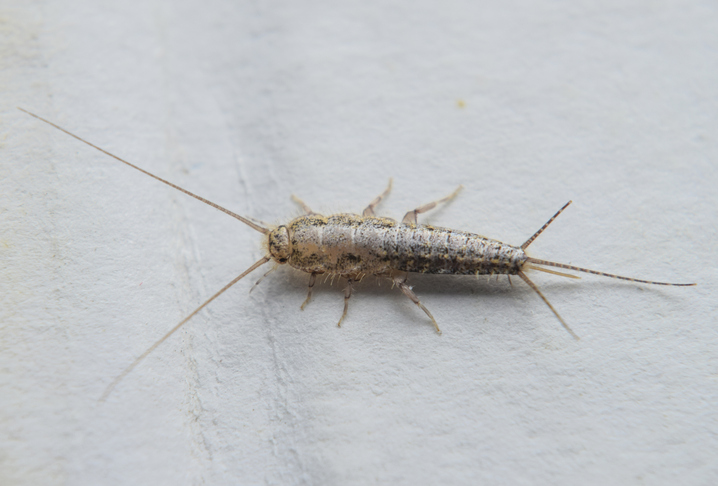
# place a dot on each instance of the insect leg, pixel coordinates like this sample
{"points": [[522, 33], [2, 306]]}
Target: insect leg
{"points": [[369, 211], [259, 222], [262, 277], [312, 279], [303, 205], [411, 215], [400, 282], [347, 294]]}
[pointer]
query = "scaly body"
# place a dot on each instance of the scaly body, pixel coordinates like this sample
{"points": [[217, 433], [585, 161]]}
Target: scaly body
{"points": [[354, 246], [349, 244]]}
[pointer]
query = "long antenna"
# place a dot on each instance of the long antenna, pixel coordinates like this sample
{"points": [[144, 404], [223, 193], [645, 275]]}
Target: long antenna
{"points": [[137, 361], [246, 221]]}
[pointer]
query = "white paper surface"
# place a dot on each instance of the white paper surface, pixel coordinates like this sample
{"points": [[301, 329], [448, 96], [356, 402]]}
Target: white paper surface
{"points": [[528, 104]]}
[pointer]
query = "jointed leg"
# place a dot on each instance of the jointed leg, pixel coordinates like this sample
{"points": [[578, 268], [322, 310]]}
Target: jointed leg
{"points": [[303, 205], [347, 295], [369, 211], [400, 282], [262, 277], [312, 279], [411, 215]]}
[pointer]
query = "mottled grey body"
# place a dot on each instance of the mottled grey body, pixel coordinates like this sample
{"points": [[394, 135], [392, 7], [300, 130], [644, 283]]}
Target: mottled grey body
{"points": [[353, 245]]}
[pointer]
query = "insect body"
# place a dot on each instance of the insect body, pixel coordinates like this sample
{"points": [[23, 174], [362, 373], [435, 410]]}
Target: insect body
{"points": [[353, 246], [348, 244]]}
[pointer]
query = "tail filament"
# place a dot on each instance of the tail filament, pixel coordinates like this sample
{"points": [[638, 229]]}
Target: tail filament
{"points": [[536, 261]]}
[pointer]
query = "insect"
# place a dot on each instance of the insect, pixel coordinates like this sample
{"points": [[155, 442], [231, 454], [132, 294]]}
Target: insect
{"points": [[353, 246]]}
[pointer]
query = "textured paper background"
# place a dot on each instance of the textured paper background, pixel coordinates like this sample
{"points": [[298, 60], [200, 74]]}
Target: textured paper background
{"points": [[528, 104]]}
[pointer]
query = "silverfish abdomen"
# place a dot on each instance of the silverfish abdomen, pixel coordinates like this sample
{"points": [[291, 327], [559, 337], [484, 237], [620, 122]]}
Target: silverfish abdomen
{"points": [[349, 244]]}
